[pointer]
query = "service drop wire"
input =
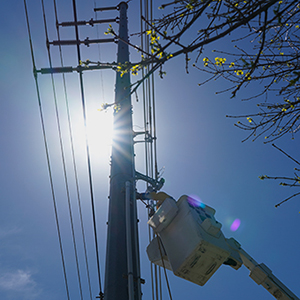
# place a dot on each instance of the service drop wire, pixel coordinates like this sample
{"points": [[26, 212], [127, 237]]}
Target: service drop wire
{"points": [[47, 153]]}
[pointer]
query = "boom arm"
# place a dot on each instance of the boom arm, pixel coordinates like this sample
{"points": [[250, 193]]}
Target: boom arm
{"points": [[262, 275]]}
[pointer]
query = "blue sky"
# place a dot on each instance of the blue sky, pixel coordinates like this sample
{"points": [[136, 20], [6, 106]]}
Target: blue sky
{"points": [[198, 147]]}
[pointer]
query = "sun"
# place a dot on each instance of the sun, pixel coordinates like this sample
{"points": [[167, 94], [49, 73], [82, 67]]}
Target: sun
{"points": [[99, 128], [92, 134]]}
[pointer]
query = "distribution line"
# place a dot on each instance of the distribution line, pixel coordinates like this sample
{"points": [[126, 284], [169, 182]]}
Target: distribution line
{"points": [[47, 154], [73, 156], [163, 263], [87, 149], [148, 90], [154, 109], [62, 154], [143, 85], [145, 46]]}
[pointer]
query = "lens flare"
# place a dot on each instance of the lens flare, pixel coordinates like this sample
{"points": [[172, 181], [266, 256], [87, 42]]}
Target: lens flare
{"points": [[235, 225], [195, 201]]}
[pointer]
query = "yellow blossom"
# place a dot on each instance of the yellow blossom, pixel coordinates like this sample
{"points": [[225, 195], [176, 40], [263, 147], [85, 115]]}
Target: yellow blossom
{"points": [[220, 61], [134, 69], [239, 72], [160, 54], [117, 108], [189, 6], [205, 60]]}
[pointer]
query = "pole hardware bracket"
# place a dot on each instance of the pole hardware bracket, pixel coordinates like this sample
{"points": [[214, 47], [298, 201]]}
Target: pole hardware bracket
{"points": [[106, 8], [148, 137], [86, 42], [100, 296], [142, 280], [90, 22], [156, 184]]}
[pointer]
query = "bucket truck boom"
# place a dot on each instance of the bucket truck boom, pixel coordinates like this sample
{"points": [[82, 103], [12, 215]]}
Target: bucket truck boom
{"points": [[189, 242]]}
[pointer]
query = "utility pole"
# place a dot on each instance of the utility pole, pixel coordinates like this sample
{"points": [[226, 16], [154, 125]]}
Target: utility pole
{"points": [[122, 270]]}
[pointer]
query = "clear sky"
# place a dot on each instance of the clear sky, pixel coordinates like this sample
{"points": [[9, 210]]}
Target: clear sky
{"points": [[198, 147]]}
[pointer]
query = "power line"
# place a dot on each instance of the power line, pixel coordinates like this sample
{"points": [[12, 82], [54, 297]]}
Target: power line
{"points": [[163, 263], [148, 88], [145, 45], [47, 154], [73, 157], [62, 154], [87, 149]]}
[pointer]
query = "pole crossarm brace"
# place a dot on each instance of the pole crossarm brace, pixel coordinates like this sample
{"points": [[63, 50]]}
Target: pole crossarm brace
{"points": [[78, 69], [86, 42], [156, 184], [91, 22]]}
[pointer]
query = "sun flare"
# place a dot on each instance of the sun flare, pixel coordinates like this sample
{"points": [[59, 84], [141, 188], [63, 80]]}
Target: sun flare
{"points": [[100, 132]]}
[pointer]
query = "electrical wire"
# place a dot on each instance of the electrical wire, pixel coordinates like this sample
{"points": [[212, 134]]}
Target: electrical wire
{"points": [[154, 110], [87, 149], [47, 154], [148, 90], [73, 156], [145, 46], [62, 154], [164, 267]]}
